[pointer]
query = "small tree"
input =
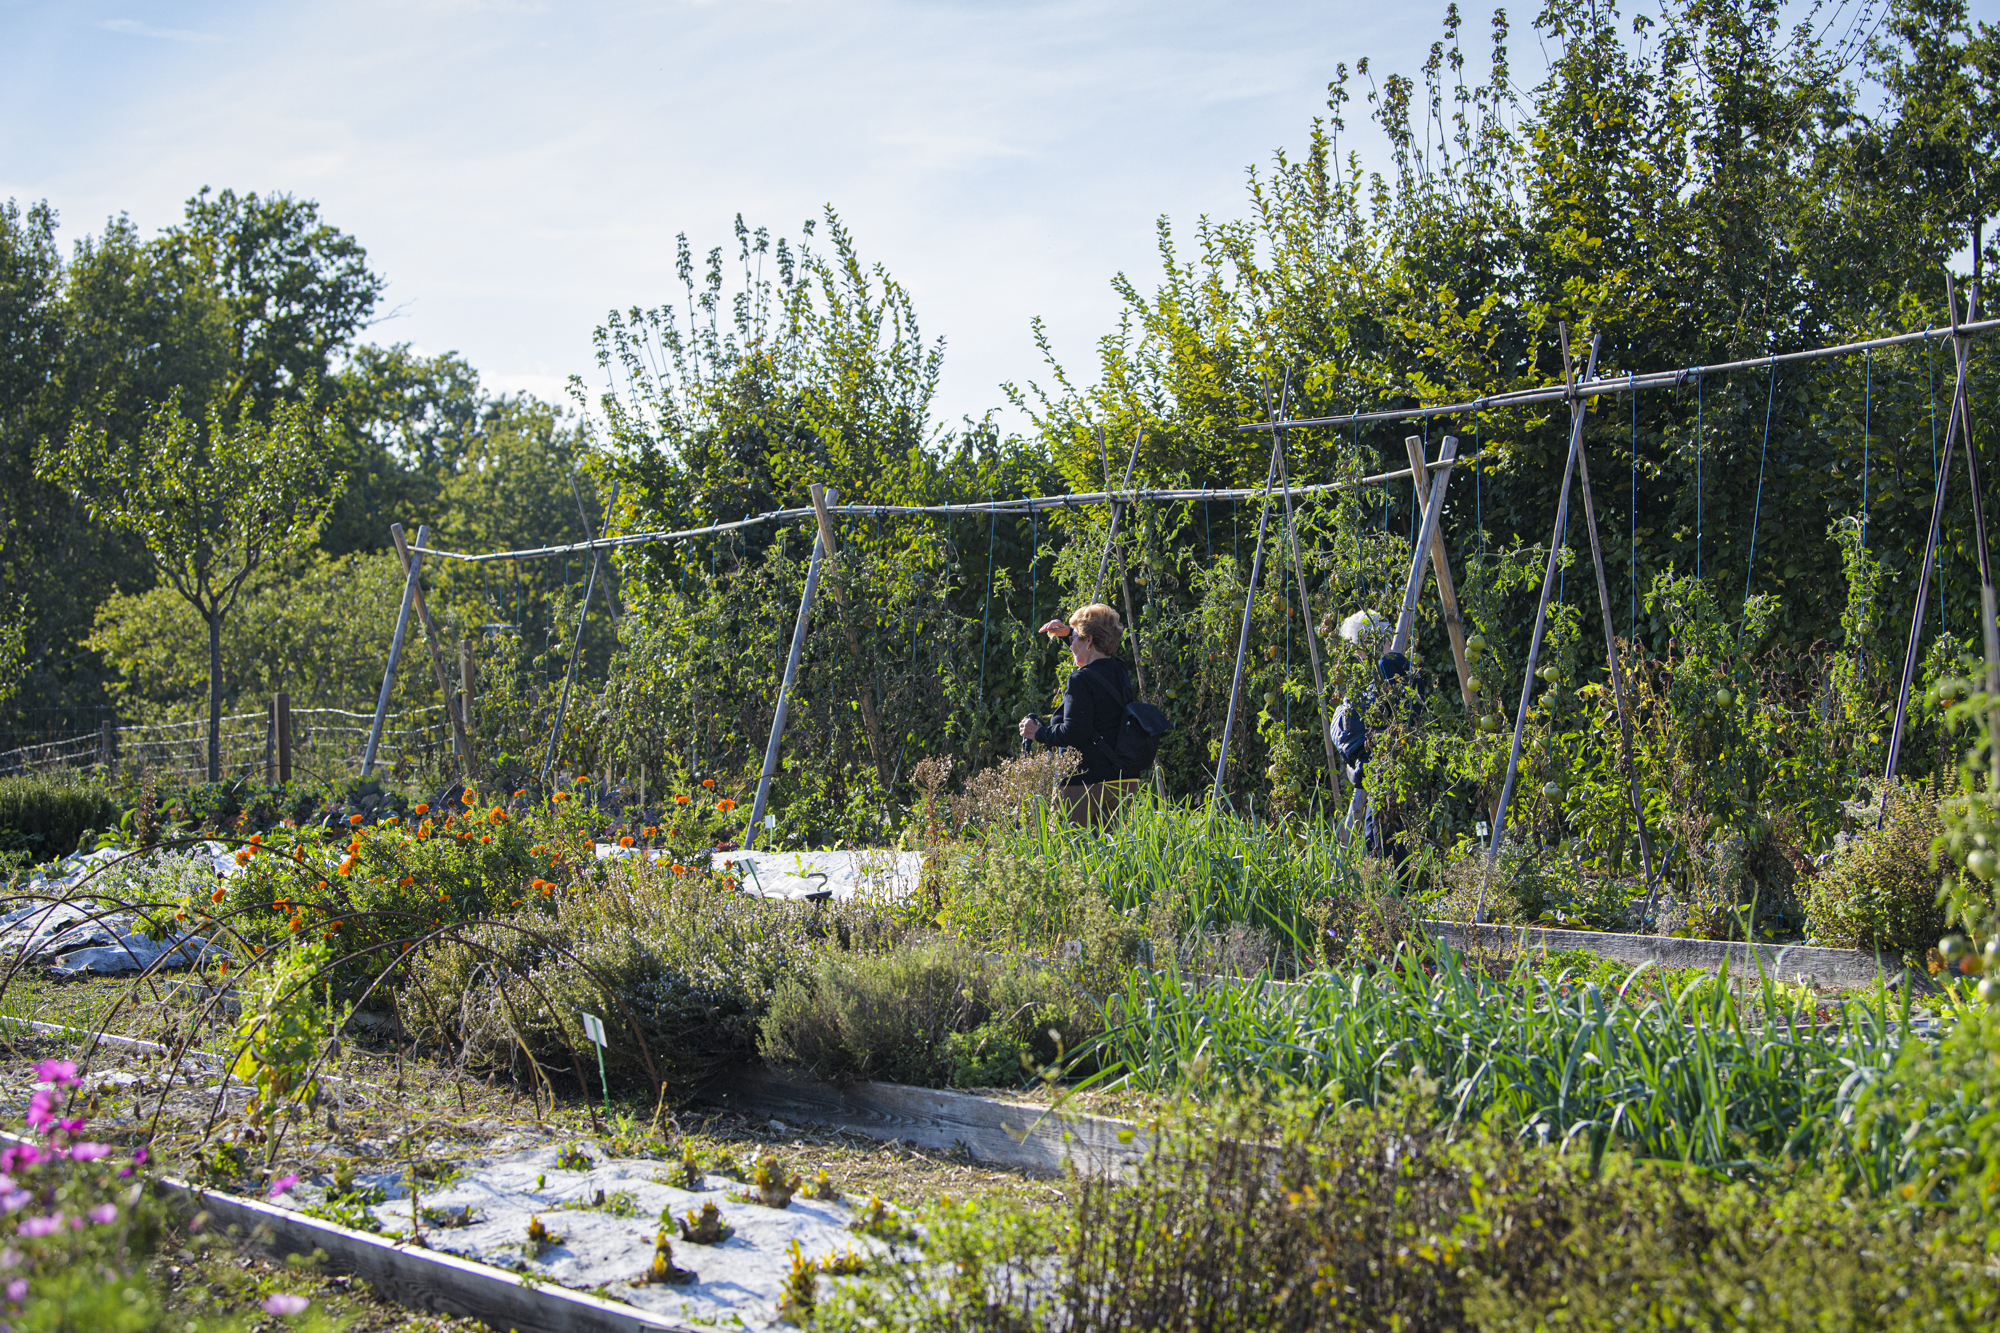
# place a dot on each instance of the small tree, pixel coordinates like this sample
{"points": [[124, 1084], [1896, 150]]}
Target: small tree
{"points": [[213, 501]]}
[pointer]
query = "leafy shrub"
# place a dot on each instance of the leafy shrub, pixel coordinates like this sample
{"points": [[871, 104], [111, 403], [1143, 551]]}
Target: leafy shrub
{"points": [[939, 1014], [1881, 892], [44, 814]]}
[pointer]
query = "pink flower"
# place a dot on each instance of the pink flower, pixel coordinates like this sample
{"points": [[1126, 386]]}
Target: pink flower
{"points": [[70, 1126], [42, 1110], [9, 1257], [16, 1201], [62, 1073], [25, 1154], [17, 1290], [284, 1303], [104, 1214], [283, 1183], [36, 1227], [138, 1157], [89, 1152]]}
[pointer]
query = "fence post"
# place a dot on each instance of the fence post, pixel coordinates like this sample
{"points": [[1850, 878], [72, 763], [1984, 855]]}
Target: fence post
{"points": [[106, 748], [785, 685], [281, 732]]}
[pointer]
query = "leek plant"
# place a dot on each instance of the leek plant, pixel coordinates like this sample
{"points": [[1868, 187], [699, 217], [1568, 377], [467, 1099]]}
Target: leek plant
{"points": [[1701, 1076]]}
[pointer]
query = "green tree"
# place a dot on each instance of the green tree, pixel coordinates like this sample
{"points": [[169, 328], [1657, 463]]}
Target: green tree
{"points": [[212, 501]]}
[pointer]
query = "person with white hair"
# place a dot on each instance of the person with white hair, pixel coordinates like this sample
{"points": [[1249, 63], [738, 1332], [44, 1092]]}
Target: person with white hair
{"points": [[1370, 635]]}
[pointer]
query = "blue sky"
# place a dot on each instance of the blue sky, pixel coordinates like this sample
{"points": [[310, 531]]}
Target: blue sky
{"points": [[517, 169]]}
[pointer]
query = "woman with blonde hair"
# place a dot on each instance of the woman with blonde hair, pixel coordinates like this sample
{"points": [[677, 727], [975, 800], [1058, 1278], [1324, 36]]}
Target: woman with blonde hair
{"points": [[1093, 708]]}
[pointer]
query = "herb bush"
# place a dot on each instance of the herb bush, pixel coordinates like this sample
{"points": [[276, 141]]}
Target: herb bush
{"points": [[1390, 1217], [939, 1014], [45, 814], [681, 967], [1881, 891]]}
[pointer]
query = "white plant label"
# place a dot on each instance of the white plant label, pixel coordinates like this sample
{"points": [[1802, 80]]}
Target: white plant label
{"points": [[770, 821], [1482, 828], [593, 1028]]}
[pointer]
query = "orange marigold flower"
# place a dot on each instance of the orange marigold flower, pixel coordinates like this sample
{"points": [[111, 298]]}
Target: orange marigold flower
{"points": [[522, 792], [680, 869], [708, 782], [538, 849], [548, 889], [725, 804], [560, 796], [680, 799], [486, 837], [354, 819], [322, 884], [222, 966], [471, 797], [407, 880], [496, 815], [294, 925], [243, 858], [256, 840], [423, 807], [625, 841], [651, 830], [215, 897]]}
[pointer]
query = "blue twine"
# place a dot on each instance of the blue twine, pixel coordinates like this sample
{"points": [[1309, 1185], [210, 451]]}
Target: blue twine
{"points": [[1867, 403]]}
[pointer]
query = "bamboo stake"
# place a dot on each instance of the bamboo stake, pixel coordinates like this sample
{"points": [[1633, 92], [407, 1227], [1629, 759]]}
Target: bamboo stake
{"points": [[1406, 620], [461, 742], [1333, 768], [785, 694], [870, 720], [1617, 673], [1243, 637], [1454, 624], [575, 648], [1535, 639], [395, 649]]}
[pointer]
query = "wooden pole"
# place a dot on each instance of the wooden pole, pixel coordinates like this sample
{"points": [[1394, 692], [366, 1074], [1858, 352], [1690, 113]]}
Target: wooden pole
{"points": [[1617, 680], [871, 720], [281, 723], [785, 693], [1406, 621], [1541, 622], [575, 649], [1243, 637], [467, 713], [105, 746], [1447, 590], [1333, 769], [461, 744], [411, 562], [590, 534]]}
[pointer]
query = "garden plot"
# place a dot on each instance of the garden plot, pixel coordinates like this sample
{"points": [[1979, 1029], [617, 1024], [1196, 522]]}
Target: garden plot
{"points": [[599, 1218]]}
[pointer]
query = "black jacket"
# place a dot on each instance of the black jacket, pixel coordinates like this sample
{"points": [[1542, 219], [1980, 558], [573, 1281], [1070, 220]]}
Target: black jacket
{"points": [[1093, 708]]}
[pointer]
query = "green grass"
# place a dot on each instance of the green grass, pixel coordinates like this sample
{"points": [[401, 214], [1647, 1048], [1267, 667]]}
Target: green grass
{"points": [[1698, 1075]]}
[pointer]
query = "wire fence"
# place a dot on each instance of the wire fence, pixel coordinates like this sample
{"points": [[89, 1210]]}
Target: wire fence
{"points": [[326, 743]]}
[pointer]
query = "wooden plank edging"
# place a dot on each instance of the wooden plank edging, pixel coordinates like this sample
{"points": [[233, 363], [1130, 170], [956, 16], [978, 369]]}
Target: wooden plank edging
{"points": [[419, 1279], [999, 1133], [1847, 968]]}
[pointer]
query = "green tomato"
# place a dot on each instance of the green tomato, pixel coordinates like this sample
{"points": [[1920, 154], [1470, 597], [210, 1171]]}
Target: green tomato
{"points": [[1271, 698], [1475, 645], [1553, 790], [1723, 698], [1475, 684], [1489, 723], [1550, 674]]}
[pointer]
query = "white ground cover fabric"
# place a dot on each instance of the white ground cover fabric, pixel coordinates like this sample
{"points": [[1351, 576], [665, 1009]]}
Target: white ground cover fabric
{"points": [[77, 937], [737, 1282], [876, 874]]}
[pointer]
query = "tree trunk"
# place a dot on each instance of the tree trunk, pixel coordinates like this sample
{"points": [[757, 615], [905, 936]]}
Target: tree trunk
{"points": [[215, 696]]}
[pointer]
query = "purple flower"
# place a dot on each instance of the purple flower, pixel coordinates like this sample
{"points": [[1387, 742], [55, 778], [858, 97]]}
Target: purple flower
{"points": [[62, 1073], [283, 1183], [70, 1127], [104, 1214], [138, 1157], [89, 1152], [16, 1201], [17, 1290], [26, 1154], [9, 1257], [41, 1110], [284, 1303], [36, 1227]]}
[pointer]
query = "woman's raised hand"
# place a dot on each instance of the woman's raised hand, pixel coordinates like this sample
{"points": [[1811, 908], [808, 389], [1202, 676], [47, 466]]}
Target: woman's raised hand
{"points": [[1059, 628]]}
